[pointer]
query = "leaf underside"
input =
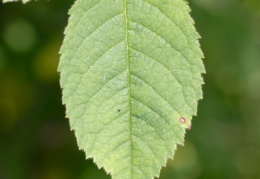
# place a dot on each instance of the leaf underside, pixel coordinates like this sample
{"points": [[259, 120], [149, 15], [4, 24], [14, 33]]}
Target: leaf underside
{"points": [[131, 79]]}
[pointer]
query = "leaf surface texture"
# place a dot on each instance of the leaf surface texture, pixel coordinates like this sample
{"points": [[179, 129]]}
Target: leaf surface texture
{"points": [[131, 79]]}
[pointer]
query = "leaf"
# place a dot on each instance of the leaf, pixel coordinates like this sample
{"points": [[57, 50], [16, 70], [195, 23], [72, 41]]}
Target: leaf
{"points": [[131, 79], [24, 1]]}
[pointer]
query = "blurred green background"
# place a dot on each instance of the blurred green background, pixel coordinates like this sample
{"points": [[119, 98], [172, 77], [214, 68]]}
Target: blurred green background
{"points": [[35, 139]]}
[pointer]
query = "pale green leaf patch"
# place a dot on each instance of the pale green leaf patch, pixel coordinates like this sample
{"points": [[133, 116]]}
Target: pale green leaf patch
{"points": [[131, 79]]}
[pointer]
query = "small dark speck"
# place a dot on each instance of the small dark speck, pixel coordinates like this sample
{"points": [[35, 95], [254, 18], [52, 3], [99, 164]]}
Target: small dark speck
{"points": [[119, 110]]}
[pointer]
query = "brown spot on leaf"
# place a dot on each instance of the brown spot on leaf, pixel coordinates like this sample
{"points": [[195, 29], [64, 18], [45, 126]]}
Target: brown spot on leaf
{"points": [[182, 120]]}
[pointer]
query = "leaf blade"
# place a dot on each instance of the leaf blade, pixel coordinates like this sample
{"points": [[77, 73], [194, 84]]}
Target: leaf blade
{"points": [[128, 78]]}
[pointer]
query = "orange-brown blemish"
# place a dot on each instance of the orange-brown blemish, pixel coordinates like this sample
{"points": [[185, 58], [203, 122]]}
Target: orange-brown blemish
{"points": [[182, 120]]}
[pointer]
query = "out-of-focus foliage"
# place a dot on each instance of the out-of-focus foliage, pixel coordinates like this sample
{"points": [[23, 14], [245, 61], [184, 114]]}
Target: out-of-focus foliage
{"points": [[35, 138], [24, 1]]}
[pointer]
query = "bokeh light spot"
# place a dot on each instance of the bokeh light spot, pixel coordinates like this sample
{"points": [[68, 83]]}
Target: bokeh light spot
{"points": [[20, 35], [46, 62]]}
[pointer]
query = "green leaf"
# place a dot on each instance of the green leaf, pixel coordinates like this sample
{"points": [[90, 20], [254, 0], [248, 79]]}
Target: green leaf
{"points": [[24, 1], [131, 79]]}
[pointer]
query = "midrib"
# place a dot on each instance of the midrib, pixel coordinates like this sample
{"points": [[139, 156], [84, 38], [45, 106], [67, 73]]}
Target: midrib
{"points": [[128, 84]]}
